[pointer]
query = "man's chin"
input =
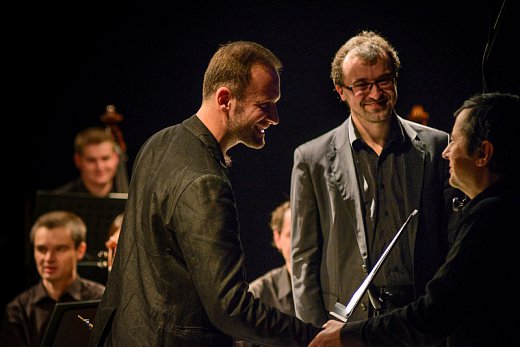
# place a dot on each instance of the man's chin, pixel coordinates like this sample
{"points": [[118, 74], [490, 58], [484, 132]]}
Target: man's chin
{"points": [[255, 144], [48, 276]]}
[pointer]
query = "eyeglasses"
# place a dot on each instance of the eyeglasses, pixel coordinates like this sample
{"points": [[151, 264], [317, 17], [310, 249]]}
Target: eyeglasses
{"points": [[362, 88]]}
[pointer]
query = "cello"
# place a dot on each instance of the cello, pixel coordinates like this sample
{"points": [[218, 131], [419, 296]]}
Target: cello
{"points": [[111, 118]]}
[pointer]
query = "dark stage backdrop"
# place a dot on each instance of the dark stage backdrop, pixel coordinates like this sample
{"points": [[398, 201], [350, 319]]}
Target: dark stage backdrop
{"points": [[148, 59]]}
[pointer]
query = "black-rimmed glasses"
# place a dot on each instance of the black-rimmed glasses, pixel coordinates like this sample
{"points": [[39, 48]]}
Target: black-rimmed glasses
{"points": [[360, 88]]}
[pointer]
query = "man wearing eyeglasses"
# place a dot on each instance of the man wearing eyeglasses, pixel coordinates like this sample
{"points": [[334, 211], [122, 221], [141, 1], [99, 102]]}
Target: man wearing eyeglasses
{"points": [[353, 188]]}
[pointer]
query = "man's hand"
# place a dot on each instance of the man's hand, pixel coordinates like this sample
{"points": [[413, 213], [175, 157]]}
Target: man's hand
{"points": [[329, 337]]}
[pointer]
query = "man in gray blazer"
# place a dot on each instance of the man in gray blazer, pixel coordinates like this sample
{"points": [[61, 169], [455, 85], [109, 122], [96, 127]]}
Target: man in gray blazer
{"points": [[178, 276], [353, 187]]}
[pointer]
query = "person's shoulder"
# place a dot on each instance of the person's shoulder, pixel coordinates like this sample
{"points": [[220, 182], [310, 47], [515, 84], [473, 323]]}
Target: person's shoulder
{"points": [[271, 284], [424, 129], [175, 136], [91, 289], [162, 135], [317, 148], [432, 138], [160, 144], [258, 285], [322, 139], [91, 283], [498, 201], [278, 271], [267, 277], [74, 185], [23, 298]]}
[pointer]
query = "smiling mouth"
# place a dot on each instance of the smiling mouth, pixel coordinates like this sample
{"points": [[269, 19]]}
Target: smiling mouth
{"points": [[380, 103]]}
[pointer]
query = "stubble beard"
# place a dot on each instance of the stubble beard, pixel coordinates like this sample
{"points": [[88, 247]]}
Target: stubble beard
{"points": [[242, 132]]}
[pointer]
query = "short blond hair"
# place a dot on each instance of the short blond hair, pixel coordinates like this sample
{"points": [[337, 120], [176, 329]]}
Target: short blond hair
{"points": [[277, 217], [63, 219], [92, 136]]}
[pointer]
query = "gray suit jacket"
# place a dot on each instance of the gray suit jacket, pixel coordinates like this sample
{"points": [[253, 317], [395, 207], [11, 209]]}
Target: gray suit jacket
{"points": [[178, 277], [329, 264]]}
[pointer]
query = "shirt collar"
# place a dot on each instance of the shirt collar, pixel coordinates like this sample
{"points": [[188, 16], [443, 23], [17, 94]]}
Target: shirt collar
{"points": [[74, 290], [195, 125], [396, 139]]}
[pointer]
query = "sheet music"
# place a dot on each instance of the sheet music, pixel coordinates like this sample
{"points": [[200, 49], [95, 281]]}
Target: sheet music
{"points": [[344, 312]]}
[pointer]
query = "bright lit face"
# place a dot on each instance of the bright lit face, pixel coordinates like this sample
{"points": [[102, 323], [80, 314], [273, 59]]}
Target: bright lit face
{"points": [[462, 164], [98, 163], [282, 238], [257, 111], [55, 255], [377, 103]]}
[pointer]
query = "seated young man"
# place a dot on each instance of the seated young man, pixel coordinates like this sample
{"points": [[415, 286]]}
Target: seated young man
{"points": [[58, 239]]}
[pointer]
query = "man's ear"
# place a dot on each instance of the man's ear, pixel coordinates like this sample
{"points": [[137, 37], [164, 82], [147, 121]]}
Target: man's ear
{"points": [[485, 153], [223, 96], [81, 250], [116, 158], [277, 239], [340, 92], [77, 160]]}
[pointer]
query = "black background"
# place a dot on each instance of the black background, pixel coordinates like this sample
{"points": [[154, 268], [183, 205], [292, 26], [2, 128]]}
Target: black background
{"points": [[70, 60]]}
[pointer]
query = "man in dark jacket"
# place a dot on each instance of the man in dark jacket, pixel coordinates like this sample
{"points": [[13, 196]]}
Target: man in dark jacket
{"points": [[467, 300], [178, 276]]}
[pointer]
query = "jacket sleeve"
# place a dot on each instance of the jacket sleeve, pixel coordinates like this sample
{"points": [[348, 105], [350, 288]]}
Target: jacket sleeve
{"points": [[306, 245], [208, 234]]}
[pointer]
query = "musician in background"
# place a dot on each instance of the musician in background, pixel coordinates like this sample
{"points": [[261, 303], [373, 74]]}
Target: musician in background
{"points": [[112, 238], [59, 243], [97, 160], [274, 287]]}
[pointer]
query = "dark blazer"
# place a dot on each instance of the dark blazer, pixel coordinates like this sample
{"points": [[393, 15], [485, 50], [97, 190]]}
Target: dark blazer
{"points": [[471, 297], [178, 277], [329, 264]]}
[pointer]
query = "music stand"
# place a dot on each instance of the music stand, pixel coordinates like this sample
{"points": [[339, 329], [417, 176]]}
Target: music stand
{"points": [[66, 328]]}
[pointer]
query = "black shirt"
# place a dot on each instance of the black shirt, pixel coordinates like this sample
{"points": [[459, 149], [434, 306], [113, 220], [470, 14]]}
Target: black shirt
{"points": [[383, 188]]}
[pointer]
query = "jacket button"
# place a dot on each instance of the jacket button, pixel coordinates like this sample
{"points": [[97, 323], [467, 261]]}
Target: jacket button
{"points": [[364, 267], [363, 307]]}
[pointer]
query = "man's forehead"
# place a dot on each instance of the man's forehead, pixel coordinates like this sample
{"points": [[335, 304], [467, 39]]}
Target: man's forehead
{"points": [[460, 121], [355, 62], [59, 232]]}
